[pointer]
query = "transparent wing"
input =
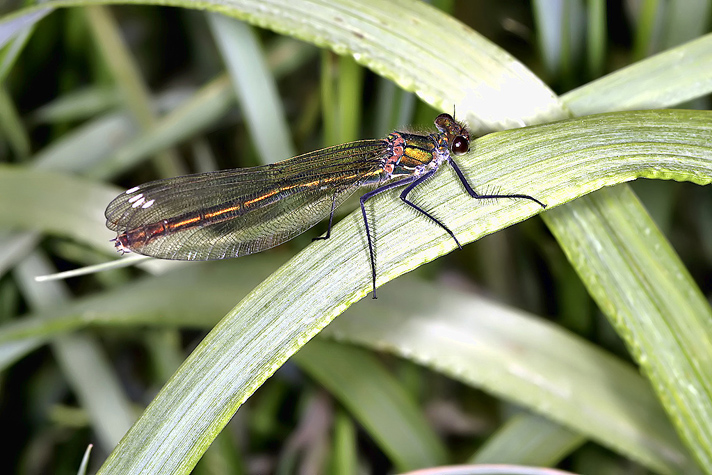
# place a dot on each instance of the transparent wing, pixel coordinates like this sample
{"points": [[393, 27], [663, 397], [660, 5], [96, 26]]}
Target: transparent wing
{"points": [[233, 213]]}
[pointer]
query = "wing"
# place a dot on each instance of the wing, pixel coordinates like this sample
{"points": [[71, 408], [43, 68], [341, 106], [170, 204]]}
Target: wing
{"points": [[233, 213]]}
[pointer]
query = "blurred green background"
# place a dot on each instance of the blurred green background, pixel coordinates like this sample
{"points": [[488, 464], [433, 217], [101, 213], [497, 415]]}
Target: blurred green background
{"points": [[125, 94]]}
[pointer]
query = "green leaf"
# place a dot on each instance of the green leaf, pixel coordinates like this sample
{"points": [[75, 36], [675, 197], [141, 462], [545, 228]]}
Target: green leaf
{"points": [[415, 45], [669, 78], [632, 288], [660, 312], [527, 439], [522, 359], [372, 395], [294, 304], [254, 86], [486, 345]]}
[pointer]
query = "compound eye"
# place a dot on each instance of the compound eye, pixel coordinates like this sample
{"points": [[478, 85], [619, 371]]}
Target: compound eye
{"points": [[460, 145]]}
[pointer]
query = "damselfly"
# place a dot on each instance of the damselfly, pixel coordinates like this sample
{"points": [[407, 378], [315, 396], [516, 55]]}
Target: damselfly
{"points": [[232, 213]]}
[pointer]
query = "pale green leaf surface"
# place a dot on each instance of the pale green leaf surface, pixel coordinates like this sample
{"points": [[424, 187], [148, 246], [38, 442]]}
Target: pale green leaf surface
{"points": [[88, 145], [81, 104], [664, 80], [55, 203], [669, 333]]}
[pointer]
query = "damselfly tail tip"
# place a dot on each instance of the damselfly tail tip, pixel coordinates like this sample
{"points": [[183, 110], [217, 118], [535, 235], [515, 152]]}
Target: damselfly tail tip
{"points": [[120, 248]]}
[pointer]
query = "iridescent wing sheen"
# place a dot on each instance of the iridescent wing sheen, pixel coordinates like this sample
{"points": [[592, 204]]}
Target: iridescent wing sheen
{"points": [[233, 213]]}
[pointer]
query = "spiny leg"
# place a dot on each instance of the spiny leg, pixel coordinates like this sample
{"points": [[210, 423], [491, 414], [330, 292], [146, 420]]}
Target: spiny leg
{"points": [[363, 200], [331, 220], [474, 194], [404, 197]]}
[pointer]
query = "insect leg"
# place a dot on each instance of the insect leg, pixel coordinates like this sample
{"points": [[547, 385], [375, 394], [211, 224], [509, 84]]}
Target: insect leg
{"points": [[363, 200], [404, 197], [331, 220], [474, 194]]}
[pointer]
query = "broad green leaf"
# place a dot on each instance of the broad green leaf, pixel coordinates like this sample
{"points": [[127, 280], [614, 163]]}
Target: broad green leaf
{"points": [[669, 78], [633, 288], [668, 332]]}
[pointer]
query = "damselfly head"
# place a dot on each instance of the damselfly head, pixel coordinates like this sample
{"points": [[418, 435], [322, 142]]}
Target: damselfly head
{"points": [[458, 137]]}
